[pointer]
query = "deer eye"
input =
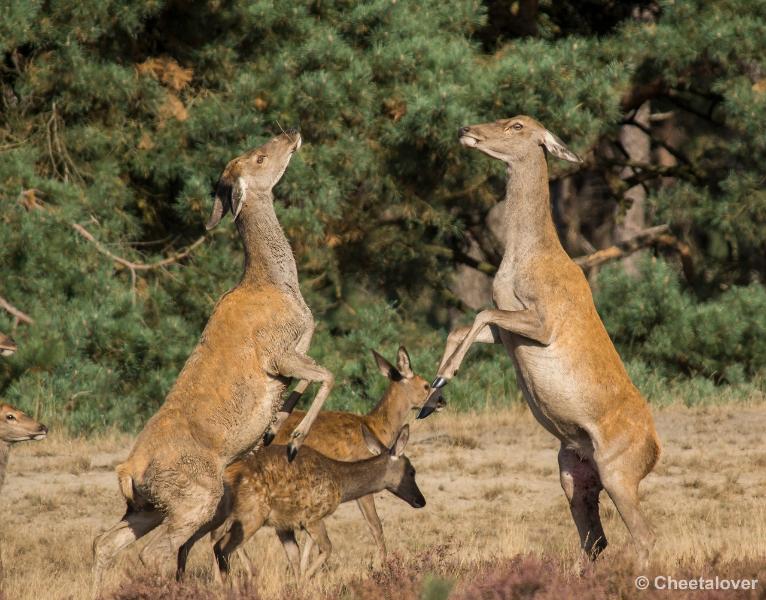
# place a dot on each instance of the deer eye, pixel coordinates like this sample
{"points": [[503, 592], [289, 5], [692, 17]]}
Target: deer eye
{"points": [[426, 386], [10, 417], [261, 159], [518, 126]]}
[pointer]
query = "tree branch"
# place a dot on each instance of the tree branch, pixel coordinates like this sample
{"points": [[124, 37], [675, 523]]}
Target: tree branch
{"points": [[652, 236], [17, 314], [645, 238], [134, 266], [462, 257]]}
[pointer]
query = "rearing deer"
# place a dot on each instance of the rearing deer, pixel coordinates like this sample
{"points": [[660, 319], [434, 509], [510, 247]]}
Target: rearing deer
{"points": [[566, 365], [231, 386]]}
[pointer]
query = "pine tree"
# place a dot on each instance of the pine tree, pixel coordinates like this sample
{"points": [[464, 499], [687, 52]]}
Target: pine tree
{"points": [[117, 118]]}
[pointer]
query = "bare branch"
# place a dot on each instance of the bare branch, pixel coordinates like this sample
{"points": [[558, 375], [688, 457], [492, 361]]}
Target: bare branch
{"points": [[652, 236], [463, 258], [133, 267], [645, 238], [17, 314]]}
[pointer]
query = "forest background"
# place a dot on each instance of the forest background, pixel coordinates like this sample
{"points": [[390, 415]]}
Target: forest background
{"points": [[116, 118]]}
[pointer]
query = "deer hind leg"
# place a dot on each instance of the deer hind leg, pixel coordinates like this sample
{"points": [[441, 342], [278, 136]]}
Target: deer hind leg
{"points": [[292, 400], [367, 506], [246, 561], [188, 515], [303, 367], [308, 546], [582, 486], [621, 483], [293, 552], [236, 532], [106, 546], [318, 533]]}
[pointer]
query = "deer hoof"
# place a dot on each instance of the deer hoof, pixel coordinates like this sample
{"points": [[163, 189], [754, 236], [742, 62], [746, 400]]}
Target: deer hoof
{"points": [[425, 411], [268, 437], [292, 452], [439, 382]]}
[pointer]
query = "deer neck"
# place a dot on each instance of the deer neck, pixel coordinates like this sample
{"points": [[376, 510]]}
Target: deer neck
{"points": [[5, 451], [362, 477], [268, 256], [529, 227], [389, 414]]}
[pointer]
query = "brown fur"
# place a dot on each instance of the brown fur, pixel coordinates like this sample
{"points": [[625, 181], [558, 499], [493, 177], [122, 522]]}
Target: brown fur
{"points": [[7, 345], [264, 489], [231, 386], [338, 435], [567, 367], [16, 426]]}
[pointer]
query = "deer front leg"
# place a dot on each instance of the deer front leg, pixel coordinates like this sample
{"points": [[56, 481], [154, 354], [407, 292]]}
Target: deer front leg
{"points": [[287, 409], [485, 329], [302, 367], [292, 400]]}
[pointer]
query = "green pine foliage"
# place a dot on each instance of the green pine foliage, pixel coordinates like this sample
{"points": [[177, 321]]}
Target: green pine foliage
{"points": [[119, 117]]}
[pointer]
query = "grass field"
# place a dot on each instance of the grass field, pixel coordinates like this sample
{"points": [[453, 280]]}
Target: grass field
{"points": [[491, 482]]}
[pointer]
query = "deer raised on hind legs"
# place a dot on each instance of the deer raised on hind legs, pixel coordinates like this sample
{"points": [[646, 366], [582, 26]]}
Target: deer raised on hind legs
{"points": [[567, 367], [231, 386]]}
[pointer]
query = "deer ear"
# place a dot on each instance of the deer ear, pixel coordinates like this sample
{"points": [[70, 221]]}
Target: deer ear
{"points": [[403, 362], [555, 146], [228, 196], [401, 441], [386, 368], [373, 443]]}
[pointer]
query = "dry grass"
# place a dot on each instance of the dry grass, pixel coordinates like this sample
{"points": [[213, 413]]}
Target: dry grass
{"points": [[493, 494]]}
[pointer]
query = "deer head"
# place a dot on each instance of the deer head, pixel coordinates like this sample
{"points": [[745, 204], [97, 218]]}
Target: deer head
{"points": [[409, 387], [399, 477], [258, 170], [7, 345], [16, 426], [514, 140]]}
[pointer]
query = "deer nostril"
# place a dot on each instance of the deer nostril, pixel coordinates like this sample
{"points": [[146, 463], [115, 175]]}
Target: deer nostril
{"points": [[462, 131], [43, 428], [291, 131]]}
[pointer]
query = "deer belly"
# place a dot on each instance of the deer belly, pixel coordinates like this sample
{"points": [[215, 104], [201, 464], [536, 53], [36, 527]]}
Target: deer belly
{"points": [[547, 381], [254, 405]]}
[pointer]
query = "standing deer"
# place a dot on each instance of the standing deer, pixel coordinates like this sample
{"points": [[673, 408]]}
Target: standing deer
{"points": [[231, 386], [16, 426], [264, 489], [566, 365]]}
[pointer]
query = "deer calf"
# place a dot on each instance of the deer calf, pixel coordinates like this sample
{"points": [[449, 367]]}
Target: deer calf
{"points": [[567, 367], [7, 345], [338, 435], [16, 426], [264, 489]]}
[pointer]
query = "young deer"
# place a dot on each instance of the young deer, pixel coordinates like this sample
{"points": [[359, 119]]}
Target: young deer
{"points": [[7, 345], [264, 489], [231, 386], [567, 368], [16, 426], [338, 435]]}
